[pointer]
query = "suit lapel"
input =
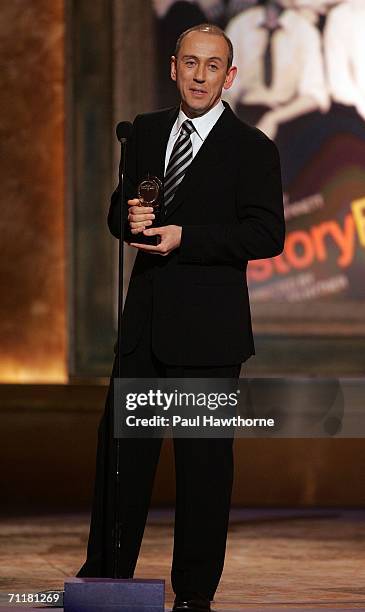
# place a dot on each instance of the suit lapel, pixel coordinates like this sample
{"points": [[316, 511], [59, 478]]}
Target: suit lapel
{"points": [[204, 160]]}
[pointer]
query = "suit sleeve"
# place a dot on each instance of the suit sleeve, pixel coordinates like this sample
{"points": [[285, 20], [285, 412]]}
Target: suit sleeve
{"points": [[130, 186], [260, 229]]}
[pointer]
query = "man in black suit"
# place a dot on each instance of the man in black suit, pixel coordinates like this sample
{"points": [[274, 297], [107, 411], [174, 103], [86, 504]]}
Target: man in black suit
{"points": [[187, 310]]}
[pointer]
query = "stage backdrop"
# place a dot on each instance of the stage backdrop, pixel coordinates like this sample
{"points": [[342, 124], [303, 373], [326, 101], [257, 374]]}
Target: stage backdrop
{"points": [[301, 80]]}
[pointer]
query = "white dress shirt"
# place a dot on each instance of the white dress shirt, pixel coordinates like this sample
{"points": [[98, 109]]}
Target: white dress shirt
{"points": [[344, 43], [202, 126], [298, 67]]}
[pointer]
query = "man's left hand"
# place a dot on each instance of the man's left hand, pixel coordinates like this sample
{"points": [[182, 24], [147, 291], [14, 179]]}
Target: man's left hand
{"points": [[170, 240]]}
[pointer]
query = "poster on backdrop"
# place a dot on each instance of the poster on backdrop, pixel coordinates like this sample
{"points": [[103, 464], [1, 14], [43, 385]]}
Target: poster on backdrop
{"points": [[301, 80]]}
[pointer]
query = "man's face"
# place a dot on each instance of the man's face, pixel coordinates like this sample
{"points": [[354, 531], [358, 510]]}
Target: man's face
{"points": [[200, 72]]}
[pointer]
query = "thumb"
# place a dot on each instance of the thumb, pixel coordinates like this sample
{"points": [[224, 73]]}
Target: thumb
{"points": [[152, 231]]}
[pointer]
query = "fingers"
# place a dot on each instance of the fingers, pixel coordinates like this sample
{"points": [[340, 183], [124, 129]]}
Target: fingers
{"points": [[135, 207], [163, 248], [139, 217], [170, 240], [138, 228], [152, 249], [140, 213], [155, 230], [139, 224], [147, 248]]}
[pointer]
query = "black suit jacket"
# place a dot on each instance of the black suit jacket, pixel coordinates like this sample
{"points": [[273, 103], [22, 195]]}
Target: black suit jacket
{"points": [[230, 207]]}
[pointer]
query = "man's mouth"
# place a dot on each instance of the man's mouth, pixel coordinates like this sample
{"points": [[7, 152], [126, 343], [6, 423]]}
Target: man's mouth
{"points": [[198, 92]]}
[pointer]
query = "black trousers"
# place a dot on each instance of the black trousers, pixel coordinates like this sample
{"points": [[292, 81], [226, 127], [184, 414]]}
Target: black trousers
{"points": [[204, 475]]}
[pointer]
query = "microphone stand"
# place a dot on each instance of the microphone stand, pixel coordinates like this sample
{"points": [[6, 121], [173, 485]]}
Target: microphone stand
{"points": [[123, 131]]}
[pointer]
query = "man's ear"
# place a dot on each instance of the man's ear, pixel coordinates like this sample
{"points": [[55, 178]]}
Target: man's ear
{"points": [[230, 77], [173, 62]]}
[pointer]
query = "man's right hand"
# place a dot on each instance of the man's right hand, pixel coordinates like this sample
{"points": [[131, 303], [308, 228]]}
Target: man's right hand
{"points": [[139, 217]]}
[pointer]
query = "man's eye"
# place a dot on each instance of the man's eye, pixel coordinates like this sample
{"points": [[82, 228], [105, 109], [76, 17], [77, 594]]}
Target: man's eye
{"points": [[213, 67], [190, 63]]}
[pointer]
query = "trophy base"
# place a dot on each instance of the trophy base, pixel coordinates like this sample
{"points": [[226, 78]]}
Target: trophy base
{"points": [[142, 239]]}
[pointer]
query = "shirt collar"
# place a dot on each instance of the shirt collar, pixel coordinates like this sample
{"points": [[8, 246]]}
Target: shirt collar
{"points": [[283, 18], [203, 124]]}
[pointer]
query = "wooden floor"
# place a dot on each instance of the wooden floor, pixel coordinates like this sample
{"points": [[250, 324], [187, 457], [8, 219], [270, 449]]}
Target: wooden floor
{"points": [[276, 559]]}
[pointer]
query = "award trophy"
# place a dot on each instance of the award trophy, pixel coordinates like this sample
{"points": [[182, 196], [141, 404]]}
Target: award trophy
{"points": [[149, 194]]}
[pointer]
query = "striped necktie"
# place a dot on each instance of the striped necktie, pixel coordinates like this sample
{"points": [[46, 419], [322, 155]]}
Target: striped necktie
{"points": [[180, 158]]}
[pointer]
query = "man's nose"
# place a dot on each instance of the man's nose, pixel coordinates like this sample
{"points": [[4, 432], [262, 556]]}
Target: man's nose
{"points": [[199, 75]]}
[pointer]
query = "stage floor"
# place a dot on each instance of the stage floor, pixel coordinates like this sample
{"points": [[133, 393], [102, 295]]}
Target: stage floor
{"points": [[276, 559]]}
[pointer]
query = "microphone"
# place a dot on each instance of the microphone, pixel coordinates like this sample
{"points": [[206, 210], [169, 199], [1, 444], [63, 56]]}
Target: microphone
{"points": [[124, 130]]}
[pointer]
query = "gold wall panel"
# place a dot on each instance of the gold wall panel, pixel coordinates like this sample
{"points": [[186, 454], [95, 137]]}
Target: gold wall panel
{"points": [[32, 264]]}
